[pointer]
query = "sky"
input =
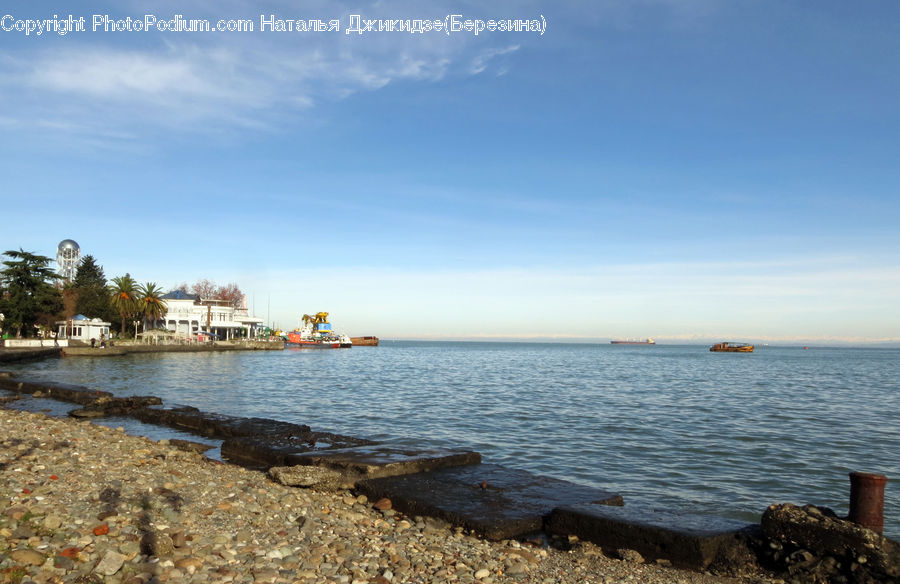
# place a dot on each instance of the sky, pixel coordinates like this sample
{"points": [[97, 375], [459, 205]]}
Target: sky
{"points": [[687, 170]]}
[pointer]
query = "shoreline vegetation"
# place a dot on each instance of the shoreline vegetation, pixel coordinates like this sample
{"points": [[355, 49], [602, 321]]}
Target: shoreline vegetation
{"points": [[79, 500]]}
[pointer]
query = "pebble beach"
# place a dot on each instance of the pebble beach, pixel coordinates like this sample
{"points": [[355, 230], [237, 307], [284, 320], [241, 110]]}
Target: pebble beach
{"points": [[81, 502]]}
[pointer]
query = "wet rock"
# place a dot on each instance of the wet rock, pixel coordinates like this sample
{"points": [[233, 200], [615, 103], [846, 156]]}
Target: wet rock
{"points": [[371, 461], [267, 449], [215, 425], [686, 540], [488, 499], [87, 413], [814, 544]]}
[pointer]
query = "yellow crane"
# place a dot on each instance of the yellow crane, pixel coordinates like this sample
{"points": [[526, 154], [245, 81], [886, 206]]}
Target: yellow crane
{"points": [[319, 317]]}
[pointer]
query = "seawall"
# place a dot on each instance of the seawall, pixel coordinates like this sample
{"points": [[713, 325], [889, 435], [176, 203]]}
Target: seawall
{"points": [[127, 349]]}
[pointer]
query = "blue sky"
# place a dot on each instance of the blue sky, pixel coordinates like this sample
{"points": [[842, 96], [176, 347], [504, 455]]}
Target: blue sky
{"points": [[687, 170]]}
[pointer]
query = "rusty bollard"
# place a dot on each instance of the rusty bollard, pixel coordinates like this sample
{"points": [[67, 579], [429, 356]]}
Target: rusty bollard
{"points": [[867, 500]]}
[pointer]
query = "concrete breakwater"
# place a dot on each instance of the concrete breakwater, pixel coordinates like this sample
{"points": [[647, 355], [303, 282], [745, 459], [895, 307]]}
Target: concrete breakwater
{"points": [[13, 355], [499, 503], [119, 349], [28, 354]]}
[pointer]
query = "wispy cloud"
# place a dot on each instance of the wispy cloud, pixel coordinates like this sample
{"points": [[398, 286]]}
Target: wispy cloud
{"points": [[175, 80], [480, 62]]}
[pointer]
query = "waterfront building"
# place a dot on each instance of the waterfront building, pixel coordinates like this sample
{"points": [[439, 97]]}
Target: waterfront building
{"points": [[189, 315], [68, 256], [83, 328]]}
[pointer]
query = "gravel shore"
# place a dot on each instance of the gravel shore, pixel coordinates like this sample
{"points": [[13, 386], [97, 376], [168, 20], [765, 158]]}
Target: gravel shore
{"points": [[85, 503]]}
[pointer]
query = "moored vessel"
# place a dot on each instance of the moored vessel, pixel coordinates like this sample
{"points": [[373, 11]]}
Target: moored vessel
{"points": [[316, 333], [728, 347], [364, 341]]}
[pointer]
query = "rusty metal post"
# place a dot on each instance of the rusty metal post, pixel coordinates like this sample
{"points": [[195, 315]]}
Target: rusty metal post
{"points": [[867, 500]]}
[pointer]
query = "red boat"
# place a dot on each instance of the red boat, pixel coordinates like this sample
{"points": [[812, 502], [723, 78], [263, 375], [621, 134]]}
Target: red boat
{"points": [[316, 334]]}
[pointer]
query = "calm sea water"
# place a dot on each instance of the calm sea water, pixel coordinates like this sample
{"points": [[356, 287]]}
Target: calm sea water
{"points": [[666, 426]]}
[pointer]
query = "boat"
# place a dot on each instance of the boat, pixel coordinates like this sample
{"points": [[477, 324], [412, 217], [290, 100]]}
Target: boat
{"points": [[316, 333], [727, 347], [364, 341], [632, 342]]}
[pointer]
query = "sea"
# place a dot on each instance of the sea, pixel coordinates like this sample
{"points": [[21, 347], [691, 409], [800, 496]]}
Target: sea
{"points": [[666, 426]]}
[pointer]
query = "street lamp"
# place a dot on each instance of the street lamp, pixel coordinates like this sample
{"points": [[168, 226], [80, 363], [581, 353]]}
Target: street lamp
{"points": [[136, 322]]}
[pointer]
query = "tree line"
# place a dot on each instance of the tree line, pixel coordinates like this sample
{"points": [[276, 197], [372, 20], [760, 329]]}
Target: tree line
{"points": [[33, 298]]}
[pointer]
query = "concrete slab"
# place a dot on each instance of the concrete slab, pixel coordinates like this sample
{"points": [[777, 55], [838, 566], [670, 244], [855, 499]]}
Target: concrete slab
{"points": [[214, 425], [266, 450], [59, 391], [490, 500], [379, 460], [21, 355], [687, 540]]}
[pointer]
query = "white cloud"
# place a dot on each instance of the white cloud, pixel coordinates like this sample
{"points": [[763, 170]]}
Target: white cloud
{"points": [[480, 62], [174, 80]]}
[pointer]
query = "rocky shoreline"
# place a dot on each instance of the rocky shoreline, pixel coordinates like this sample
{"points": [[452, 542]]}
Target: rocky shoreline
{"points": [[81, 502]]}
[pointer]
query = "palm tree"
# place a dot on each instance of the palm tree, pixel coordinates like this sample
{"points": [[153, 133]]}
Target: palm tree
{"points": [[151, 306], [124, 297]]}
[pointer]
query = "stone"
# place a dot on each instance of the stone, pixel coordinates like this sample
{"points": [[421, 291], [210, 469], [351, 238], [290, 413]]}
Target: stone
{"points": [[111, 563], [179, 540], [630, 556], [28, 557], [308, 476], [155, 543], [22, 532], [70, 552], [815, 543], [189, 565]]}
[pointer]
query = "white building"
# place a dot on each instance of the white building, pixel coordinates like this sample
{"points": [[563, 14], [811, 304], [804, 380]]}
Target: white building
{"points": [[83, 329], [189, 315]]}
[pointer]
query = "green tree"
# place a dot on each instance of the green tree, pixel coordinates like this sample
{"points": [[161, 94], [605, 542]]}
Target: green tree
{"points": [[123, 297], [151, 306], [70, 300], [93, 295], [27, 294]]}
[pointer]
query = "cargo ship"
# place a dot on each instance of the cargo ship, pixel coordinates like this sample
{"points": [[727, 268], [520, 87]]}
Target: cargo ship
{"points": [[633, 342], [316, 333], [364, 341]]}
